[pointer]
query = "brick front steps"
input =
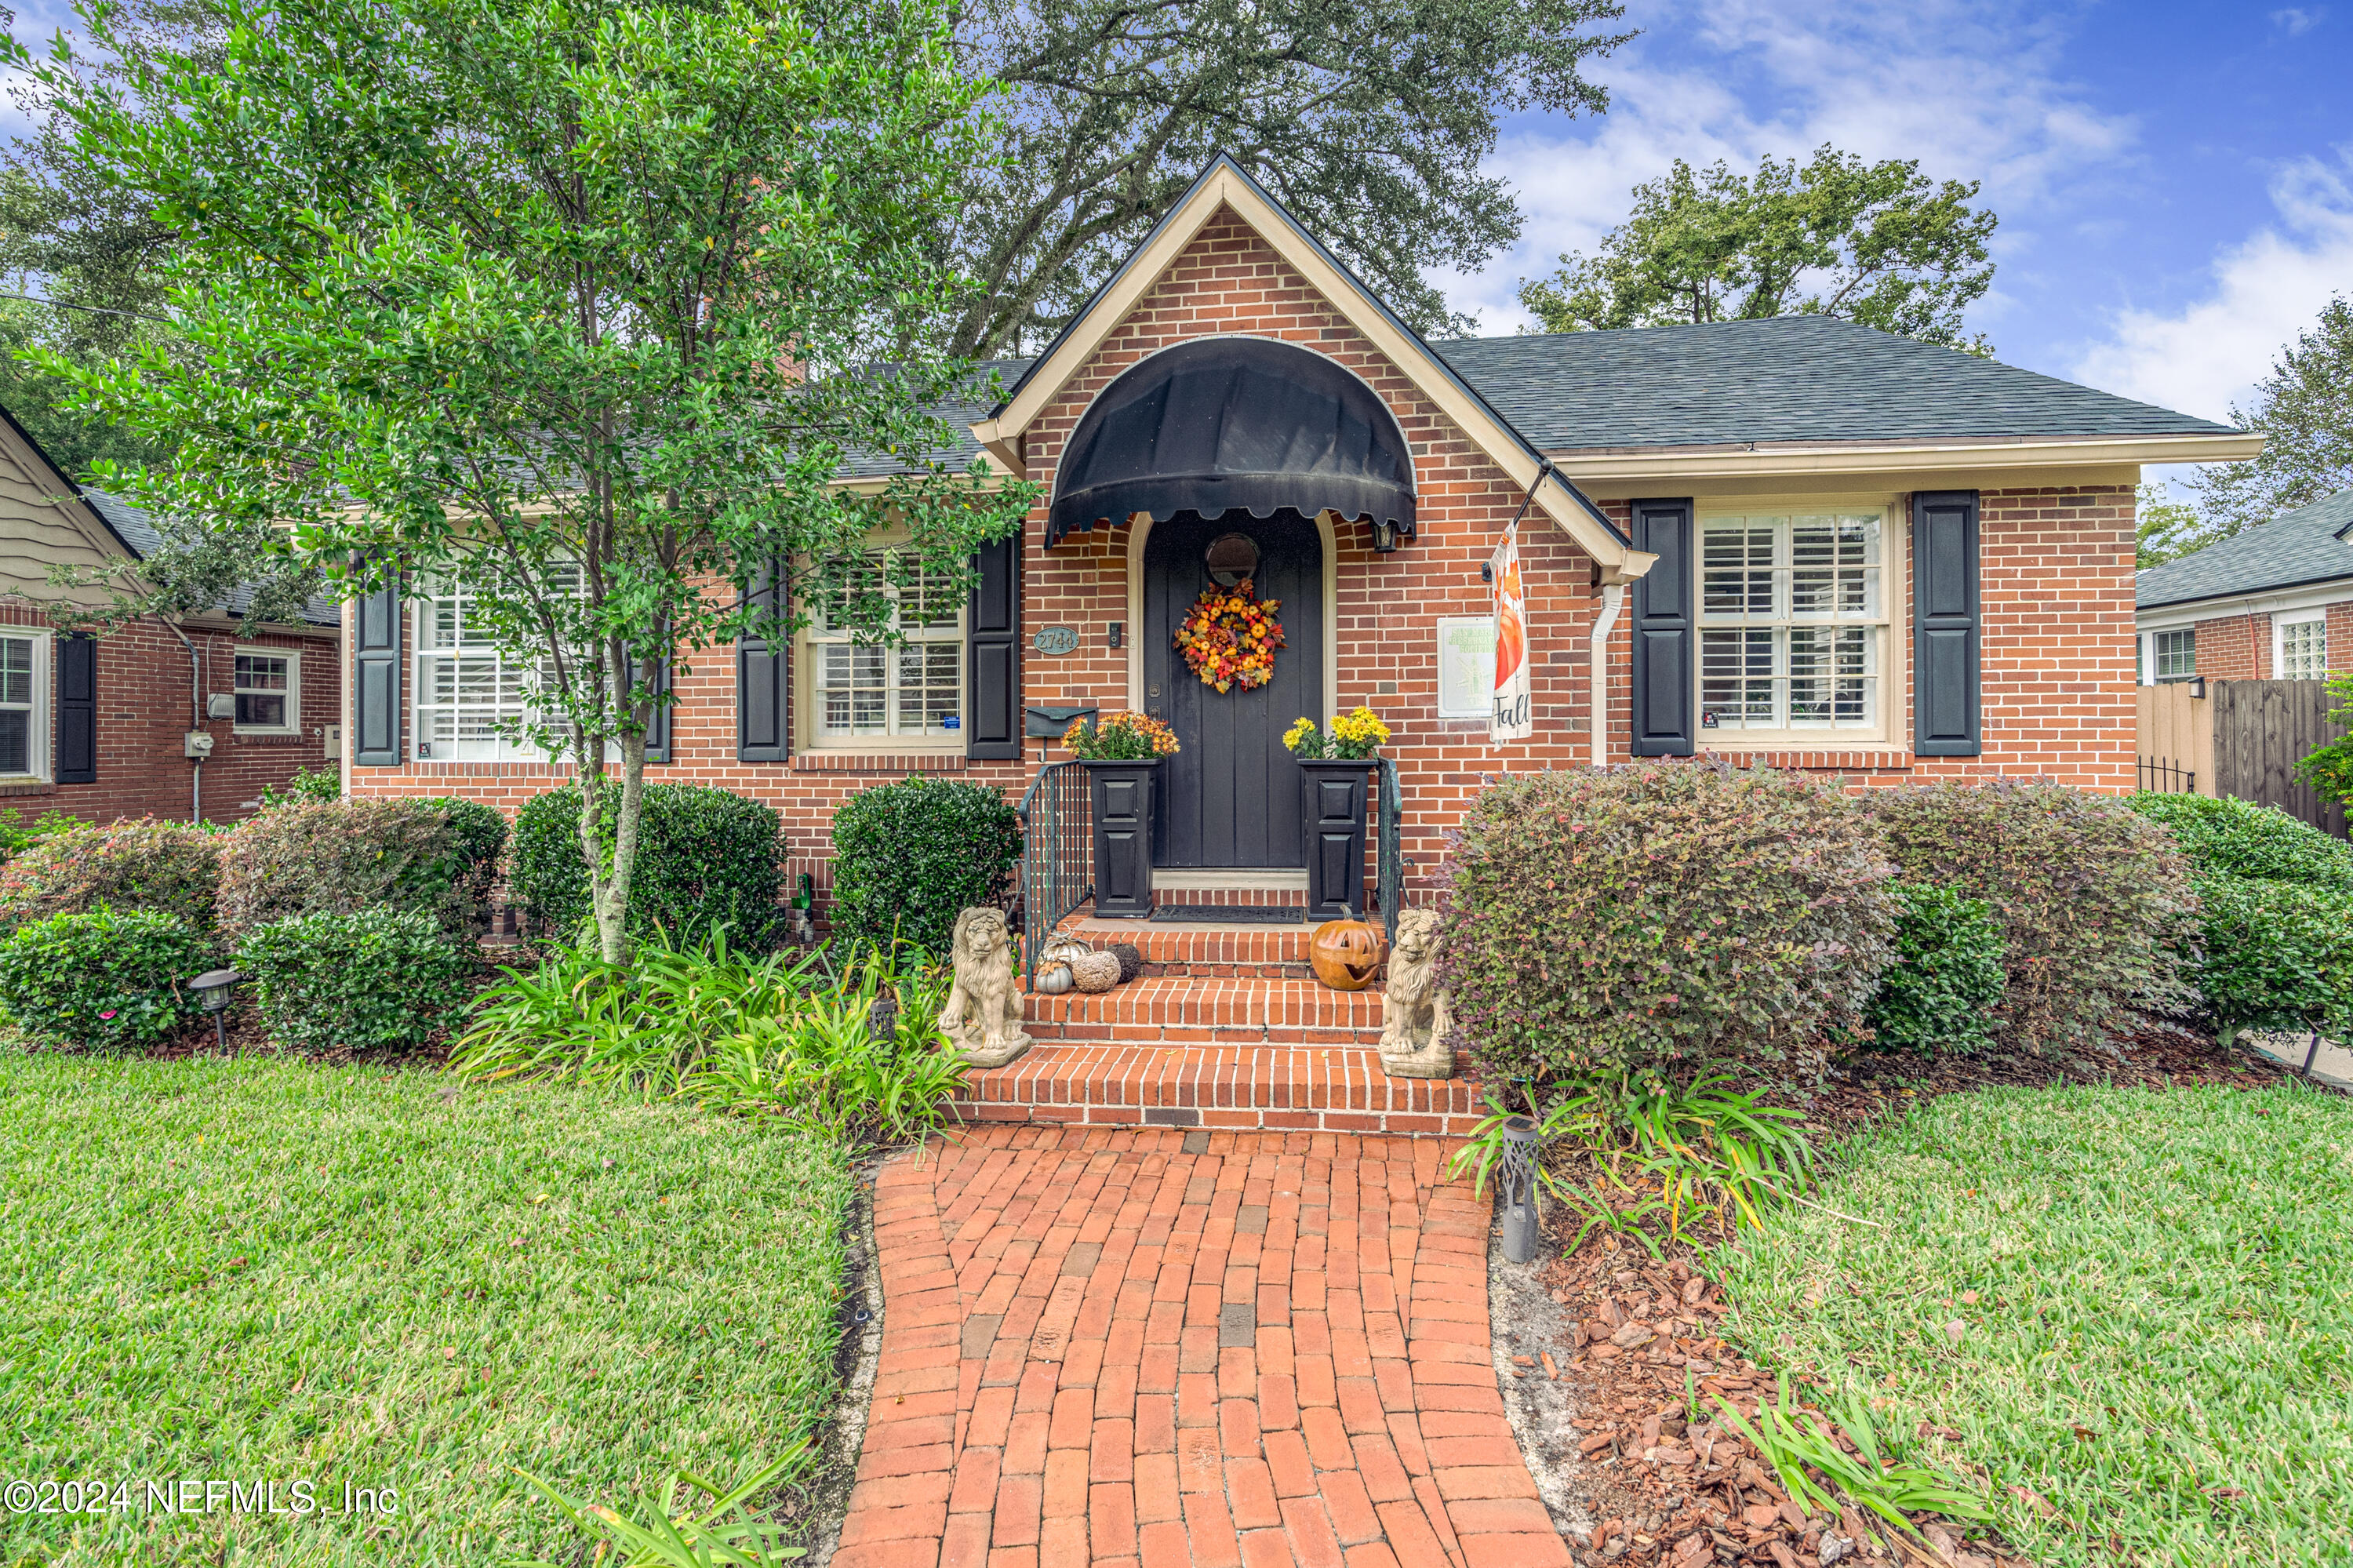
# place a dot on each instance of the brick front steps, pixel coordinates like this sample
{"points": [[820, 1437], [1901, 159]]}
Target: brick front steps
{"points": [[1206, 952], [1195, 1010], [1294, 1087]]}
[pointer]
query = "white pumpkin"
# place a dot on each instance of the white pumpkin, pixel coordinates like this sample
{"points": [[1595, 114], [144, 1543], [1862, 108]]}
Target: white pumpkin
{"points": [[1053, 979], [1061, 947]]}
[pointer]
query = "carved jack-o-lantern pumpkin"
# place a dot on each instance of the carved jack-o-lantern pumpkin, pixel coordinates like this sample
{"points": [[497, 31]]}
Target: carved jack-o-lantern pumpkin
{"points": [[1346, 953]]}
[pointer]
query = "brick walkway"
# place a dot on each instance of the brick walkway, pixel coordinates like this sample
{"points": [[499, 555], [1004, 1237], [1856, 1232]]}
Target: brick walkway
{"points": [[1152, 1348]]}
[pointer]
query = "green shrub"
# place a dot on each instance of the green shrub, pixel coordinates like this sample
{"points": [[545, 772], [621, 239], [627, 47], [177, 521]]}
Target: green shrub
{"points": [[706, 857], [340, 856], [103, 980], [1634, 916], [17, 835], [140, 864], [2238, 838], [377, 980], [2092, 898], [2273, 955], [1940, 992], [908, 858], [322, 784]]}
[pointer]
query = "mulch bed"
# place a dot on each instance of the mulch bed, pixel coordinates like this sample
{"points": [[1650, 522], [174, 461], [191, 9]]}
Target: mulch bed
{"points": [[1676, 1495]]}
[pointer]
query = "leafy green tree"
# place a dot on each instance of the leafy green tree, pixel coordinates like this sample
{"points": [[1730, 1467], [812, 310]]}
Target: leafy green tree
{"points": [[569, 307], [1876, 243], [2305, 408], [1370, 119], [2167, 529]]}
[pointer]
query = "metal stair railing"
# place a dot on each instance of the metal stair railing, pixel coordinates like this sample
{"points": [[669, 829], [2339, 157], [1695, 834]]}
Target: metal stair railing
{"points": [[1390, 838], [1057, 855]]}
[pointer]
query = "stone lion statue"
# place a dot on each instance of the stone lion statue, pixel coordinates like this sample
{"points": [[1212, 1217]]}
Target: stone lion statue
{"points": [[1416, 1018], [983, 1016]]}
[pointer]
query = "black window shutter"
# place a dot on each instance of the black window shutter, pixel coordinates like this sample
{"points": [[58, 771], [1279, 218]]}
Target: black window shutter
{"points": [[763, 689], [1663, 631], [76, 709], [1946, 717], [658, 732], [992, 719], [376, 677]]}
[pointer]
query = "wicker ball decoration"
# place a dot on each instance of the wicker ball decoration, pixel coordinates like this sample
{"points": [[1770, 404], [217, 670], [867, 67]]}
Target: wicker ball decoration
{"points": [[1096, 971], [1131, 962], [1053, 979], [1346, 954]]}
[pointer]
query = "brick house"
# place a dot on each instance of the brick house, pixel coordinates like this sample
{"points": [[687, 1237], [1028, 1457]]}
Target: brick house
{"points": [[2273, 603], [98, 725], [1795, 541]]}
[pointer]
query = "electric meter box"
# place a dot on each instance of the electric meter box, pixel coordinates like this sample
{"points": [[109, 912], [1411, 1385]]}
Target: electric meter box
{"points": [[196, 744]]}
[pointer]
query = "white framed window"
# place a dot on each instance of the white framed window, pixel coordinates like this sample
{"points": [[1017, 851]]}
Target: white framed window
{"points": [[1794, 624], [2175, 655], [24, 702], [2300, 647], [468, 692], [268, 682], [863, 693]]}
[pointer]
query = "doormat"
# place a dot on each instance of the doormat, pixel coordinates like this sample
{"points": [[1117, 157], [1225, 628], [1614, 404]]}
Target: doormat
{"points": [[1229, 914]]}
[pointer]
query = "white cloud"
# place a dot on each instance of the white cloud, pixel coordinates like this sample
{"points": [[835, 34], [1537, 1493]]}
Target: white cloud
{"points": [[1972, 91], [2297, 20], [2265, 289]]}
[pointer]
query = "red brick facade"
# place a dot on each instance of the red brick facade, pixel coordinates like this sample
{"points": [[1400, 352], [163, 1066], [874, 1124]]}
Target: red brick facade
{"points": [[144, 712], [2055, 580]]}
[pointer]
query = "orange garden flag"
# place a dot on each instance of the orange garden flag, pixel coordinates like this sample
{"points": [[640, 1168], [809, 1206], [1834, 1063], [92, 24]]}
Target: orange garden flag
{"points": [[1512, 719]]}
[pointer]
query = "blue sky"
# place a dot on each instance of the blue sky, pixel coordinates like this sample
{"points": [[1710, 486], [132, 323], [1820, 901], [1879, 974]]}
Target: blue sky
{"points": [[2175, 181]]}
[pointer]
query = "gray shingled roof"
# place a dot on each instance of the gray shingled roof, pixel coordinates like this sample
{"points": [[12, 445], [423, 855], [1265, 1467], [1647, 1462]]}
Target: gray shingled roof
{"points": [[2306, 545], [1790, 378], [960, 415], [135, 528]]}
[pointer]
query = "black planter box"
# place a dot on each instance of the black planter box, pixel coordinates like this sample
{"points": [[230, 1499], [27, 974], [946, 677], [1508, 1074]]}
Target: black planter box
{"points": [[1336, 837], [1123, 797]]}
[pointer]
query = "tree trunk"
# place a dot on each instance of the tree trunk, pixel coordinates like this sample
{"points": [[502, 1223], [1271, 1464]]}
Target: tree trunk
{"points": [[610, 869]]}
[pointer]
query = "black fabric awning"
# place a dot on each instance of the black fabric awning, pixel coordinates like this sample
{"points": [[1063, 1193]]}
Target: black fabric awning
{"points": [[1231, 423]]}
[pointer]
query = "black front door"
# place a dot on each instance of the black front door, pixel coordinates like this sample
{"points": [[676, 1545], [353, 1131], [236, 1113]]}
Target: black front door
{"points": [[1232, 797]]}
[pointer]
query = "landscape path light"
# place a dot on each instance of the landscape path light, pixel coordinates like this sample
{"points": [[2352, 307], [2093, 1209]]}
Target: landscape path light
{"points": [[1515, 1187], [212, 989]]}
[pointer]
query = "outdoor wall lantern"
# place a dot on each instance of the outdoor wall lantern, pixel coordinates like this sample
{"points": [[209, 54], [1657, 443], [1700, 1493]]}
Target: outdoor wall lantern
{"points": [[1515, 1187], [1384, 535], [212, 989]]}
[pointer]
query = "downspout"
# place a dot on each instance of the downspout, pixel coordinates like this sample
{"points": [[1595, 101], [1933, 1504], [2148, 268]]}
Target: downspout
{"points": [[1613, 597], [196, 718]]}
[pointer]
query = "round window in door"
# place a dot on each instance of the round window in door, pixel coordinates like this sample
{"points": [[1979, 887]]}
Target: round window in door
{"points": [[1231, 558]]}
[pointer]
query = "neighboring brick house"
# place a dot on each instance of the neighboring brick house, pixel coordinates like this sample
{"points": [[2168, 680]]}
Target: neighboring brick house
{"points": [[2273, 603], [96, 725]]}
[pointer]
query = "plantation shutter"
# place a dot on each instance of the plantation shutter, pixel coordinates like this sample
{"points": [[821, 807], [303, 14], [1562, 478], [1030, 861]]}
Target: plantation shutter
{"points": [[376, 677], [76, 709], [1946, 625], [993, 718], [763, 687], [1663, 631]]}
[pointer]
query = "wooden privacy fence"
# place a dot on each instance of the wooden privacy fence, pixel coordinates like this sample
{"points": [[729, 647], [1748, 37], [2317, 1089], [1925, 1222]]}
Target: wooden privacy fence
{"points": [[2262, 730], [2175, 751]]}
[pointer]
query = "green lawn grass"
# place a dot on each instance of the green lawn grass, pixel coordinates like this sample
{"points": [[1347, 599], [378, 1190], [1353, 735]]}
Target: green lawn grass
{"points": [[2161, 1347], [255, 1271]]}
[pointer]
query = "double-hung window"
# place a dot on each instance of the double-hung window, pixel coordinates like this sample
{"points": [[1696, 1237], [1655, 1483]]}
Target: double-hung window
{"points": [[23, 704], [2302, 650], [2176, 653], [861, 691], [267, 686], [470, 692], [1793, 622]]}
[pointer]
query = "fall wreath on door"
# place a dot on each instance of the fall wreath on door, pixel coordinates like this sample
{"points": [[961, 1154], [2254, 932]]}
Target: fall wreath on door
{"points": [[1229, 636]]}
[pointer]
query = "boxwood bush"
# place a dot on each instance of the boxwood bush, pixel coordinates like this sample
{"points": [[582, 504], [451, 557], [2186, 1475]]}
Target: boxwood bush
{"points": [[1940, 991], [142, 864], [1638, 917], [102, 980], [909, 857], [2094, 899], [377, 979], [309, 857], [2275, 955], [2229, 837], [706, 857]]}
